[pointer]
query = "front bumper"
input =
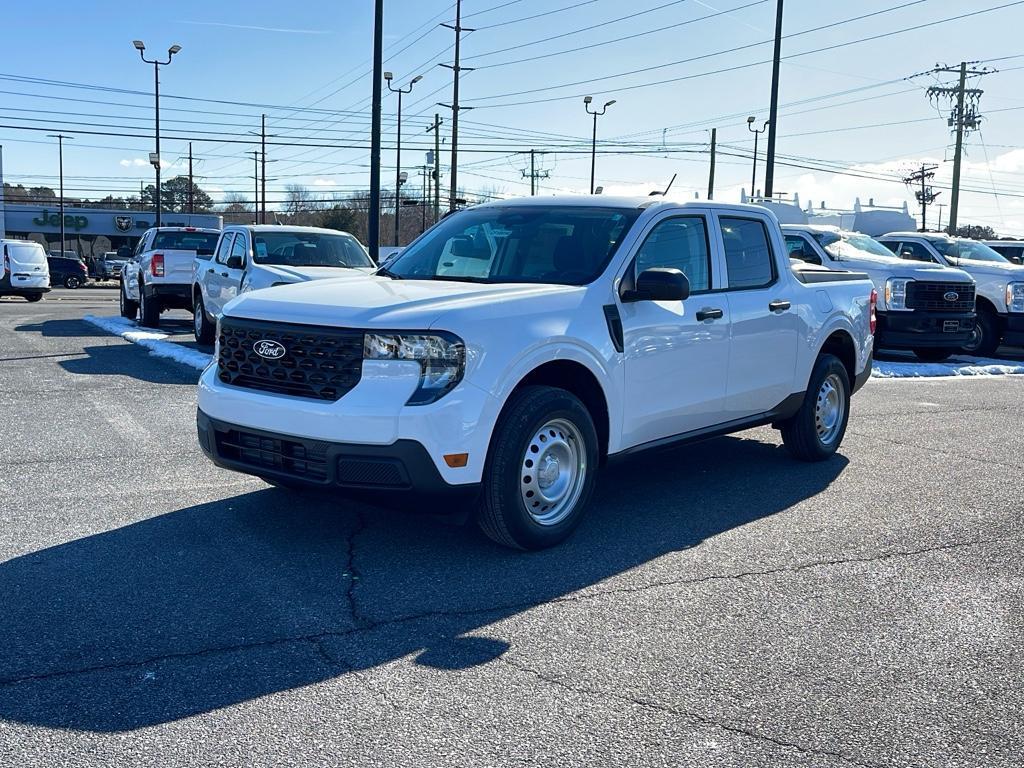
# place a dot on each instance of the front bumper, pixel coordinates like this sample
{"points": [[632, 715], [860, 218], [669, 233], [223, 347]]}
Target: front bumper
{"points": [[919, 329], [402, 467], [1014, 334]]}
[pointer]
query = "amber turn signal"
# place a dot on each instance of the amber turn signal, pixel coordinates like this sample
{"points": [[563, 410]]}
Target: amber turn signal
{"points": [[456, 460]]}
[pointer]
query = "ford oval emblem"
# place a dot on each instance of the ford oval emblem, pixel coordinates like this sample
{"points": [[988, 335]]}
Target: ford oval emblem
{"points": [[271, 350], [951, 295]]}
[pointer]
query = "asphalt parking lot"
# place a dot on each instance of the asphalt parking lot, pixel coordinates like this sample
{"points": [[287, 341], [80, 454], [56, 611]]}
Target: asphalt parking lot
{"points": [[722, 605]]}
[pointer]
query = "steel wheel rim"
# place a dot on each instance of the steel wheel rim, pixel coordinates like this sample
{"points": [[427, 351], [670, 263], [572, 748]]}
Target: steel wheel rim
{"points": [[975, 339], [197, 320], [829, 409], [553, 472]]}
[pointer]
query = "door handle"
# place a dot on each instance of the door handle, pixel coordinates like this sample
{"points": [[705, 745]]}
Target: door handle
{"points": [[709, 313], [779, 305]]}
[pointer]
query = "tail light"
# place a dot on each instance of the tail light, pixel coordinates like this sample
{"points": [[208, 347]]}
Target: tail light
{"points": [[873, 316], [7, 262], [156, 265]]}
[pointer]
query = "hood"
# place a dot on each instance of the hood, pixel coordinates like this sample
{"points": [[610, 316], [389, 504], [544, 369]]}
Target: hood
{"points": [[1005, 271], [380, 302], [302, 274], [919, 270]]}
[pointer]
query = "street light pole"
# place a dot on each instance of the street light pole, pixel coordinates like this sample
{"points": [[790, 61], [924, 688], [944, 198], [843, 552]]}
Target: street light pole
{"points": [[593, 143], [398, 149], [60, 159], [757, 133], [155, 158]]}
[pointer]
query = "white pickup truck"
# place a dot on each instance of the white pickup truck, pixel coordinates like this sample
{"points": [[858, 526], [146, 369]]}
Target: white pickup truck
{"points": [[999, 284], [159, 274], [515, 346]]}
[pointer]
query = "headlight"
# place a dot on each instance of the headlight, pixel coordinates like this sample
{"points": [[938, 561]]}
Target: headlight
{"points": [[896, 293], [441, 357], [1015, 297]]}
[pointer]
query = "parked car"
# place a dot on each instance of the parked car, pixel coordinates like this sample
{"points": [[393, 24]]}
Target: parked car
{"points": [[515, 346], [111, 264], [69, 272], [999, 284], [159, 274], [25, 272], [1011, 250], [926, 308], [252, 257]]}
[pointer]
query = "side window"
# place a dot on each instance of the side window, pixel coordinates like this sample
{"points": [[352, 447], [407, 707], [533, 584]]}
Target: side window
{"points": [[240, 248], [915, 252], [892, 245], [224, 247], [748, 255], [679, 243], [801, 250], [141, 246]]}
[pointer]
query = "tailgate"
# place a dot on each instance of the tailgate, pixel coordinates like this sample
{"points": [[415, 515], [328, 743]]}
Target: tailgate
{"points": [[178, 265]]}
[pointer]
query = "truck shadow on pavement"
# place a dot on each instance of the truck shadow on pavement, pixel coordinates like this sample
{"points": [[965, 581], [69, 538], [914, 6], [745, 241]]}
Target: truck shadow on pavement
{"points": [[220, 603]]}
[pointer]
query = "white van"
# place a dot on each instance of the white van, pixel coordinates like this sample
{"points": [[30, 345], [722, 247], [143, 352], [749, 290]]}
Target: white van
{"points": [[25, 272]]}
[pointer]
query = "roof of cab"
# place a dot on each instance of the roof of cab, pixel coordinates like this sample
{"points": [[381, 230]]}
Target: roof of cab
{"points": [[925, 235], [612, 201], [286, 228], [209, 230]]}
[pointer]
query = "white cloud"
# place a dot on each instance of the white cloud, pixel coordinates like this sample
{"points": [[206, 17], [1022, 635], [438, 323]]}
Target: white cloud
{"points": [[143, 162], [324, 183]]}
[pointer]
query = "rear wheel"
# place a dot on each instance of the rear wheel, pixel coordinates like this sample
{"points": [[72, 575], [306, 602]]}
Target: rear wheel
{"points": [[985, 339], [72, 282], [129, 308], [933, 354], [149, 308], [817, 429], [203, 329], [540, 471]]}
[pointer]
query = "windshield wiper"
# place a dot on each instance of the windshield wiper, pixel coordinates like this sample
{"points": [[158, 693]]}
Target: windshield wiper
{"points": [[461, 279], [385, 272]]}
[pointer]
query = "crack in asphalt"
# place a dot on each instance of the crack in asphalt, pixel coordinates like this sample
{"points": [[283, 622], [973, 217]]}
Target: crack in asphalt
{"points": [[368, 625], [352, 572], [678, 711]]}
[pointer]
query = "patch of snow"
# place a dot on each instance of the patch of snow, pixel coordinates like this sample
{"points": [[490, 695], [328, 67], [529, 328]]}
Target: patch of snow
{"points": [[955, 366], [156, 342]]}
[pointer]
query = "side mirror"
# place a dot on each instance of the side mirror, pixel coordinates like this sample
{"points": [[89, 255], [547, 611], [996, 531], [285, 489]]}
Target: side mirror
{"points": [[234, 262], [659, 284]]}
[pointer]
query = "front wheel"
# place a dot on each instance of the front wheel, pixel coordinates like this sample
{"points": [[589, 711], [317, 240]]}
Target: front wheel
{"points": [[33, 297], [72, 282], [933, 354], [817, 429], [540, 470], [202, 328], [984, 339]]}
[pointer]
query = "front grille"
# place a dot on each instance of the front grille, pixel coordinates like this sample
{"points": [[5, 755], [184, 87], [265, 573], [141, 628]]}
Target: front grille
{"points": [[319, 363], [930, 296], [380, 473], [306, 459]]}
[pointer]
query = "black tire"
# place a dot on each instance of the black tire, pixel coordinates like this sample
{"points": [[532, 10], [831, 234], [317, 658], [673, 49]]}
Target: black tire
{"points": [[986, 337], [934, 354], [149, 308], [800, 433], [129, 308], [202, 329], [33, 297], [502, 513], [73, 282]]}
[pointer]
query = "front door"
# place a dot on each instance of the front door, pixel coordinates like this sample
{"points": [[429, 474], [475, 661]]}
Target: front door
{"points": [[676, 353], [762, 360], [216, 275]]}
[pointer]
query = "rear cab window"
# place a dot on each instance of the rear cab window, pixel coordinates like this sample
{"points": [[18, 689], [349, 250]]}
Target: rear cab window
{"points": [[749, 260], [203, 243]]}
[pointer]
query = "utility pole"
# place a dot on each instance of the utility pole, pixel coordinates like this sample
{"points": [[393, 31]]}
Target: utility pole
{"points": [[456, 69], [255, 185], [711, 172], [436, 128], [964, 117], [154, 157], [925, 195], [191, 200], [263, 168], [60, 158], [423, 201], [773, 113], [593, 141], [533, 173], [373, 215]]}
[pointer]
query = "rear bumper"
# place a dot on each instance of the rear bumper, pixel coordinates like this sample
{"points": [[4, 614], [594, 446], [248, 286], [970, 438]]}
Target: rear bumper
{"points": [[12, 286], [1014, 333], [170, 294], [402, 469], [919, 329]]}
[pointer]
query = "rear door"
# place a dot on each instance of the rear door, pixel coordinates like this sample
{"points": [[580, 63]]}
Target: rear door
{"points": [[232, 281], [676, 353], [764, 327]]}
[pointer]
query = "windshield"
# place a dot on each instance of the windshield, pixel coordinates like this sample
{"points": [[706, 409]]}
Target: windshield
{"points": [[565, 245], [309, 249], [202, 243], [967, 249], [850, 245]]}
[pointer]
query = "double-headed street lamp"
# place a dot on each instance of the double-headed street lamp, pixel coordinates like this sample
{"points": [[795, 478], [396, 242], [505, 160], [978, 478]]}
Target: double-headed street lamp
{"points": [[757, 133], [60, 155], [155, 157], [398, 154], [593, 144]]}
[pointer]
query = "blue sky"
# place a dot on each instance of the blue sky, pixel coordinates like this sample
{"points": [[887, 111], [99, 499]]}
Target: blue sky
{"points": [[306, 65]]}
